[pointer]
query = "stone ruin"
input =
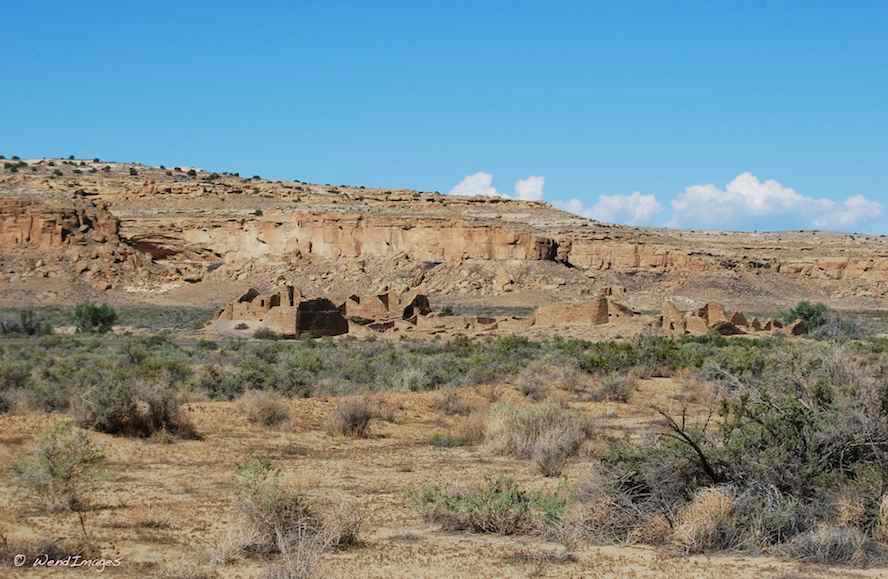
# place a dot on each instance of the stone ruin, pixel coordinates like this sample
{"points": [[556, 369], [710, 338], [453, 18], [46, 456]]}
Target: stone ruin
{"points": [[289, 313], [714, 318], [602, 310], [386, 306], [286, 312]]}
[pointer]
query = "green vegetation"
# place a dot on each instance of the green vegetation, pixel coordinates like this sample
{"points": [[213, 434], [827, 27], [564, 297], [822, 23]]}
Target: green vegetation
{"points": [[28, 324], [94, 318], [812, 314], [801, 441], [499, 506]]}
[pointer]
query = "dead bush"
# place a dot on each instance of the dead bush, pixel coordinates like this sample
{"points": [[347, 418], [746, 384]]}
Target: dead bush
{"points": [[451, 404], [535, 380], [351, 417], [614, 387], [707, 522], [829, 544], [607, 515], [301, 550], [264, 408], [268, 509], [274, 519], [546, 432], [553, 448], [343, 526], [62, 468], [881, 531], [471, 429]]}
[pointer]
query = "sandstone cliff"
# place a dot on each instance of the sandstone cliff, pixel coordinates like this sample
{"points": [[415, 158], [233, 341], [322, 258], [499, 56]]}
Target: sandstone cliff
{"points": [[191, 235]]}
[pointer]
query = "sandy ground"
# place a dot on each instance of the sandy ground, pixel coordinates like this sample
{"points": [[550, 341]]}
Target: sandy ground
{"points": [[162, 507]]}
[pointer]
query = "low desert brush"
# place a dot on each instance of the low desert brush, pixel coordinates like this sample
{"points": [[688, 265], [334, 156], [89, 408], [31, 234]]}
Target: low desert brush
{"points": [[546, 433], [351, 417], [264, 408], [707, 522], [62, 468]]}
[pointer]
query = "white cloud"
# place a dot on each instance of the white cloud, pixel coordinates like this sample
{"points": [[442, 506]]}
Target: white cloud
{"points": [[854, 210], [748, 200], [479, 183], [530, 189], [745, 203], [634, 209]]}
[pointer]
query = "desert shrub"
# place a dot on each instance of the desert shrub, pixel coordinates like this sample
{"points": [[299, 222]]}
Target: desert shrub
{"points": [[61, 469], [499, 506], [530, 431], [276, 519], [451, 404], [707, 522], [264, 408], [28, 324], [351, 417], [470, 430], [94, 318], [131, 408], [343, 526], [266, 334], [271, 514], [827, 544], [814, 315], [838, 328], [811, 423], [613, 387]]}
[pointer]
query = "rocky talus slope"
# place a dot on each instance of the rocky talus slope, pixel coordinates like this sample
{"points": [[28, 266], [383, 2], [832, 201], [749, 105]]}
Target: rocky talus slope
{"points": [[72, 229]]}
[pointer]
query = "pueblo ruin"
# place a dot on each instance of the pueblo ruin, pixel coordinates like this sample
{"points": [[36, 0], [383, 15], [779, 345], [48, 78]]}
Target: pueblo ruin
{"points": [[289, 313]]}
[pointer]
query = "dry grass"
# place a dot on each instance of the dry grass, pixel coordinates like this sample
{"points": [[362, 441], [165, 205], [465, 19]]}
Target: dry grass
{"points": [[546, 433], [351, 417], [707, 522], [613, 388], [828, 544], [62, 469], [265, 408], [451, 404], [536, 380], [850, 511], [880, 533]]}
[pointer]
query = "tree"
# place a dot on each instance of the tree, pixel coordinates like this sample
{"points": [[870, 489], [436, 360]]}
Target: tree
{"points": [[94, 318]]}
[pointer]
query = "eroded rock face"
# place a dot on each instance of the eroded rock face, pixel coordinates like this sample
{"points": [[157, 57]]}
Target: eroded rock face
{"points": [[185, 225], [26, 223]]}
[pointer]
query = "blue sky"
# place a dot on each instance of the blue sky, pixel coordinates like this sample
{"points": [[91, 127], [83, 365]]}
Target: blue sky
{"points": [[740, 115]]}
